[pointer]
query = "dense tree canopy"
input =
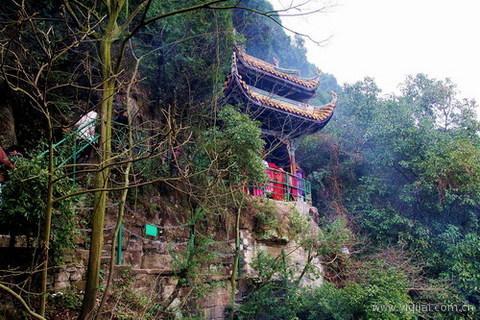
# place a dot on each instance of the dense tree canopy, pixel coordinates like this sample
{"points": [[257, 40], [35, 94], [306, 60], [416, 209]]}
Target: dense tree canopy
{"points": [[406, 172]]}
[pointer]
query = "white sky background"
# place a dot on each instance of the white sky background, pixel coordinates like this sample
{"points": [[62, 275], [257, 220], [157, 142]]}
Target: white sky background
{"points": [[390, 39]]}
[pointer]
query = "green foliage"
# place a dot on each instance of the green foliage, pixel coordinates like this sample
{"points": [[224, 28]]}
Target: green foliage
{"points": [[267, 39], [271, 223], [381, 293], [130, 304], [299, 224], [266, 223], [24, 195], [237, 146], [387, 287], [332, 237], [444, 294], [198, 43], [190, 263], [386, 226], [464, 262], [197, 254], [406, 169], [275, 296], [271, 268], [67, 299], [23, 204], [452, 170]]}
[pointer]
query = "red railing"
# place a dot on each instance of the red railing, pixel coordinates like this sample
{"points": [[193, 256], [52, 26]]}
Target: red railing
{"points": [[283, 186]]}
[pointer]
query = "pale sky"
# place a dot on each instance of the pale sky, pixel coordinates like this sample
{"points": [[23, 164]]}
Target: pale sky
{"points": [[389, 39]]}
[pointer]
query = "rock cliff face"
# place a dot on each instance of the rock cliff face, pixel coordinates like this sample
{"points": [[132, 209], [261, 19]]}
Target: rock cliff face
{"points": [[150, 265]]}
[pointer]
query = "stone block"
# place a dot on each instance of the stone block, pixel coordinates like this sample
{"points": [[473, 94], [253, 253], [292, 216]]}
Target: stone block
{"points": [[144, 282], [76, 276], [154, 246], [215, 302], [82, 256], [80, 285], [4, 240], [61, 285], [134, 245], [62, 276], [133, 258], [161, 262], [71, 269]]}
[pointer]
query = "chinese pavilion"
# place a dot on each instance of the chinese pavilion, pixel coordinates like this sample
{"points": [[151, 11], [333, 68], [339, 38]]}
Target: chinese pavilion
{"points": [[279, 99]]}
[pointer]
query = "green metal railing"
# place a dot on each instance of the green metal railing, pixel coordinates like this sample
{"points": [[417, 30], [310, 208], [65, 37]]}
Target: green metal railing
{"points": [[79, 143], [72, 145], [283, 186]]}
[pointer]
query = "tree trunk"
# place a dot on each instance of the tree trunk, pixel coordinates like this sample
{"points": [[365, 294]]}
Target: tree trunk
{"points": [[47, 224], [236, 257], [123, 199], [103, 175]]}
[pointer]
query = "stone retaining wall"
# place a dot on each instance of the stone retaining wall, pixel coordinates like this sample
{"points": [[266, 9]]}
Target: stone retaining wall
{"points": [[151, 264]]}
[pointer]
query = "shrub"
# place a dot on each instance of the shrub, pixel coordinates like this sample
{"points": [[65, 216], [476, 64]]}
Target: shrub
{"points": [[69, 298], [299, 224], [266, 218], [332, 237], [379, 293], [23, 203]]}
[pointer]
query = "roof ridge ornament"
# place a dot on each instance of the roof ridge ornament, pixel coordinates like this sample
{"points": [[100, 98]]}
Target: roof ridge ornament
{"points": [[333, 102]]}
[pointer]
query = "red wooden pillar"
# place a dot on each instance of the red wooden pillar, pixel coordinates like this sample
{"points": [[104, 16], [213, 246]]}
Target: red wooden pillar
{"points": [[291, 156], [292, 181]]}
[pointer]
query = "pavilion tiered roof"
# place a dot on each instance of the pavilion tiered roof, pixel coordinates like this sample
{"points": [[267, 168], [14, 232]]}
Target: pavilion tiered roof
{"points": [[301, 113]]}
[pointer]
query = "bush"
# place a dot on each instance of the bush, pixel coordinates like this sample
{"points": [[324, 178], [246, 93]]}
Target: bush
{"points": [[23, 204], [69, 298], [267, 222], [379, 293], [299, 225], [332, 237]]}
